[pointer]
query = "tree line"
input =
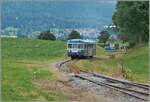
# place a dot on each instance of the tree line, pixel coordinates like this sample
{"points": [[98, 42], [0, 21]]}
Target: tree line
{"points": [[132, 21], [50, 36]]}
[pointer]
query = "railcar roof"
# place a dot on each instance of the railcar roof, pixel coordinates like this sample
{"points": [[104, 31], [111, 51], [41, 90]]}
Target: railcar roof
{"points": [[81, 41]]}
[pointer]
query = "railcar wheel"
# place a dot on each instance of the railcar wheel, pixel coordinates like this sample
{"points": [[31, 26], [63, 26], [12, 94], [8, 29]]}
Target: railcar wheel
{"points": [[72, 57], [91, 56]]}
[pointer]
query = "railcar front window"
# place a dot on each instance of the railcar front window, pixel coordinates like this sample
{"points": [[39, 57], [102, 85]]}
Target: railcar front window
{"points": [[69, 45], [74, 46]]}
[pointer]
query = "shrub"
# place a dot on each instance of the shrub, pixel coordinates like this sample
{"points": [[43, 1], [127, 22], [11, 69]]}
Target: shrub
{"points": [[47, 36], [74, 35]]}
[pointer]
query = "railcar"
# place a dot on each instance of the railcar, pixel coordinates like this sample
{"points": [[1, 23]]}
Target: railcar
{"points": [[78, 48]]}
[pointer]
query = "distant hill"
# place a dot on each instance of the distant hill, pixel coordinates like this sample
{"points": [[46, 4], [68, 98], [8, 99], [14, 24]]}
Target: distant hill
{"points": [[34, 15]]}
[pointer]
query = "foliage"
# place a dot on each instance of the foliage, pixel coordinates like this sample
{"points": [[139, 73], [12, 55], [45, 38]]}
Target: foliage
{"points": [[112, 39], [104, 36], [74, 35], [123, 37], [47, 36], [132, 20]]}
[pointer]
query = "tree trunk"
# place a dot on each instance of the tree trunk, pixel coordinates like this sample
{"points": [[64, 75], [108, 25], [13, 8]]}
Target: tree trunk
{"points": [[139, 38]]}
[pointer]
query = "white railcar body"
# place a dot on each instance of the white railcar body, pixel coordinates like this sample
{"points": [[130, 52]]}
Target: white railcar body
{"points": [[81, 48]]}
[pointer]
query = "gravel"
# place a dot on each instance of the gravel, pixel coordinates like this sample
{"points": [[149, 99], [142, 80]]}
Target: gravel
{"points": [[112, 95], [108, 94]]}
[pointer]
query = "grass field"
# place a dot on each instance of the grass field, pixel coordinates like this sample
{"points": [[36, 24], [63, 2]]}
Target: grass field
{"points": [[24, 60], [135, 64]]}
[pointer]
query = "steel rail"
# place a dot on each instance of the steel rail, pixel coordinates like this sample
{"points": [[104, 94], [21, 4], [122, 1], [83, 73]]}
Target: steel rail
{"points": [[121, 89], [112, 87], [118, 80]]}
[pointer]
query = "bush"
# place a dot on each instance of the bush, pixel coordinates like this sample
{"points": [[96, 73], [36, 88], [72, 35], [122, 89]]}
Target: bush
{"points": [[132, 44], [101, 45], [116, 46], [47, 36], [104, 36], [74, 35]]}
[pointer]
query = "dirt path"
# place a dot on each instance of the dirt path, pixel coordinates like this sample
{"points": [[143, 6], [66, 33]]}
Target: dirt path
{"points": [[64, 86], [74, 89]]}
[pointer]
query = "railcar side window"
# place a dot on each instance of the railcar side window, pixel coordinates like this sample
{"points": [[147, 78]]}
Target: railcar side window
{"points": [[89, 45], [80, 46], [85, 46]]}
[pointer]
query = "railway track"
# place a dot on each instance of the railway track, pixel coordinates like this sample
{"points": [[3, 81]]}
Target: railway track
{"points": [[130, 90], [137, 90]]}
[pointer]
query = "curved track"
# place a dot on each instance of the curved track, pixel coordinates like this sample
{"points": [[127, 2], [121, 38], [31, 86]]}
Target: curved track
{"points": [[137, 90]]}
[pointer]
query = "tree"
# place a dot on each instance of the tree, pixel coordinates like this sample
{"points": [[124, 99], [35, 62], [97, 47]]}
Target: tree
{"points": [[132, 20], [104, 35], [123, 37], [74, 35], [47, 36]]}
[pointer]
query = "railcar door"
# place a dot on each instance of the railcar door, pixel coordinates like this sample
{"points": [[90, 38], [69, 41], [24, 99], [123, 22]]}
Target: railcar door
{"points": [[90, 49], [94, 49]]}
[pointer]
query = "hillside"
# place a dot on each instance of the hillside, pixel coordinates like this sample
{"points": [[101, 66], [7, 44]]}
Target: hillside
{"points": [[60, 14], [25, 60], [135, 64], [29, 71]]}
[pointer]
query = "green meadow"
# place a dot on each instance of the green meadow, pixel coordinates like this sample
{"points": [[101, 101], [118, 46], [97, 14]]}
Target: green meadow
{"points": [[135, 63], [24, 60]]}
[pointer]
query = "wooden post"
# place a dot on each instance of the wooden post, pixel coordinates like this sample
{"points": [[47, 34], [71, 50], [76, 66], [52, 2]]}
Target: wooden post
{"points": [[123, 72]]}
